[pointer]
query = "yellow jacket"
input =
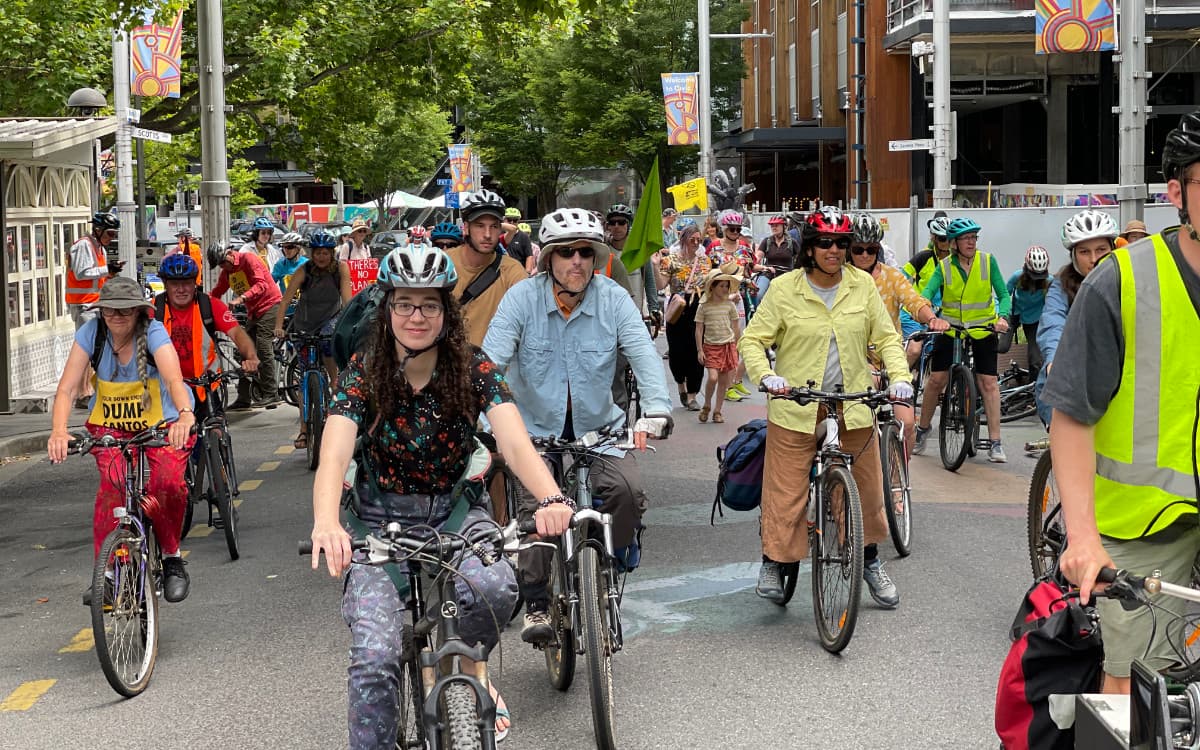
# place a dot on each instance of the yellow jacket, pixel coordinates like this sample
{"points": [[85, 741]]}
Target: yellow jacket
{"points": [[797, 321]]}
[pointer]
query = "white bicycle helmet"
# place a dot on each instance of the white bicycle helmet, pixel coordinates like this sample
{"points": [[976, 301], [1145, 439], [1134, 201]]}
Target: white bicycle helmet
{"points": [[867, 229], [1088, 225], [417, 267], [292, 238], [940, 227], [482, 203], [567, 225], [1037, 261]]}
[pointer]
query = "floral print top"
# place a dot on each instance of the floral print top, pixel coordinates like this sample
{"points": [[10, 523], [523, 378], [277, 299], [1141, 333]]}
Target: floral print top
{"points": [[679, 270], [418, 452]]}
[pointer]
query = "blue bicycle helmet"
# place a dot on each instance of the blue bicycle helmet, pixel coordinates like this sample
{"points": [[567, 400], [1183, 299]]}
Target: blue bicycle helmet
{"points": [[178, 267], [447, 230], [960, 226], [263, 222], [322, 239]]}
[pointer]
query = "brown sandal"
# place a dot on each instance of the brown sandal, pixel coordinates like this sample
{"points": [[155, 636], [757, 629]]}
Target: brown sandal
{"points": [[717, 418], [301, 441], [704, 413]]}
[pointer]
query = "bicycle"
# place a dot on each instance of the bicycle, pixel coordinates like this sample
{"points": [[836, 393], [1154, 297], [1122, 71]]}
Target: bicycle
{"points": [[585, 594], [441, 707], [835, 532], [1045, 528], [213, 456], [313, 394], [286, 368], [127, 574], [1016, 395], [958, 428], [893, 459]]}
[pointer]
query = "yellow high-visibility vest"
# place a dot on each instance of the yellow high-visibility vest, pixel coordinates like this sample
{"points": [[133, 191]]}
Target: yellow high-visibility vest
{"points": [[968, 301]]}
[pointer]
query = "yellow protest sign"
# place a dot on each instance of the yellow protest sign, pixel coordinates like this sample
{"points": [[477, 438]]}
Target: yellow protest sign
{"points": [[690, 194], [238, 282], [119, 406]]}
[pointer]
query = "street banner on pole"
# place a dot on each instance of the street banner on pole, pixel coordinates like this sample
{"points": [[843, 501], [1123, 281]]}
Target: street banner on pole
{"points": [[1074, 26], [462, 168], [645, 236], [690, 194], [679, 95], [155, 54], [362, 273]]}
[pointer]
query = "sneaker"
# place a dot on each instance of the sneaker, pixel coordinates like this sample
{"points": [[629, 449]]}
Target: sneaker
{"points": [[996, 453], [770, 585], [175, 579], [733, 394], [741, 388], [238, 405], [537, 629], [109, 594], [919, 442], [883, 591], [266, 402]]}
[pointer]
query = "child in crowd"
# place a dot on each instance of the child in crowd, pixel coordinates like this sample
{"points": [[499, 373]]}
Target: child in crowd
{"points": [[717, 333]]}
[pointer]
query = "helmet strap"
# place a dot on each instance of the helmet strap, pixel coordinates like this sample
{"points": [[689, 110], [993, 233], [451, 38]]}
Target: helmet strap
{"points": [[411, 353]]}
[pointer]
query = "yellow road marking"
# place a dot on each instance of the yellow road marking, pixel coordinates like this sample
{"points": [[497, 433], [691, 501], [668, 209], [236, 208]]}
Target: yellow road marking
{"points": [[26, 695], [184, 552], [249, 484], [84, 640], [269, 466], [198, 531], [237, 503], [285, 450]]}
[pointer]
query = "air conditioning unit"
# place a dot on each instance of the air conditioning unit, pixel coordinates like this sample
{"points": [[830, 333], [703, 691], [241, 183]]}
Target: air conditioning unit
{"points": [[843, 99]]}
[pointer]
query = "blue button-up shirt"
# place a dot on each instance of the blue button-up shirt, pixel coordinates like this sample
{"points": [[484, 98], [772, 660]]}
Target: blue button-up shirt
{"points": [[548, 358]]}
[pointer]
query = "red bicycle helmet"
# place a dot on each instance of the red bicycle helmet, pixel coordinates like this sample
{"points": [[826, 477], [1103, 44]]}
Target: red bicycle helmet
{"points": [[829, 220], [776, 220]]}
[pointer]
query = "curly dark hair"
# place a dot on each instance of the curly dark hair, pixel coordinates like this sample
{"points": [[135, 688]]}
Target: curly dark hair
{"points": [[386, 385]]}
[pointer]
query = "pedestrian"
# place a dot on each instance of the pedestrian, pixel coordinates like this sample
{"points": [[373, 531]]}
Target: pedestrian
{"points": [[357, 245], [1135, 230], [681, 273], [717, 334]]}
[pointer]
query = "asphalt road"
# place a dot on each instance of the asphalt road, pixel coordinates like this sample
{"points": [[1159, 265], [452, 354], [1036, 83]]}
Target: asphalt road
{"points": [[256, 656]]}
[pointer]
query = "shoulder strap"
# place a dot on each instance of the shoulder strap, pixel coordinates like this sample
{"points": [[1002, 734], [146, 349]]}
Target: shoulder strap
{"points": [[160, 307], [206, 314], [481, 283], [99, 341]]}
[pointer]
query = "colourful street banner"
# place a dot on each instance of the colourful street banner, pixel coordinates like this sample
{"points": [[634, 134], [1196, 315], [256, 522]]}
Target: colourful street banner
{"points": [[462, 168], [155, 59], [680, 97], [1074, 26], [362, 273], [690, 194]]}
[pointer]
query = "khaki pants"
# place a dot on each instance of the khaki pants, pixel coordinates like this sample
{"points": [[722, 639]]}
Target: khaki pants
{"points": [[788, 459]]}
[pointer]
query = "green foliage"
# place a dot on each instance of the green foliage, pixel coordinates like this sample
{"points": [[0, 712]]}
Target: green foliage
{"points": [[166, 166]]}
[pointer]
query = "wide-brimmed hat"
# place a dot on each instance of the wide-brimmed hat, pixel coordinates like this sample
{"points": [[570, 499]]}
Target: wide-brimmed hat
{"points": [[121, 293], [715, 275], [1134, 226], [358, 224]]}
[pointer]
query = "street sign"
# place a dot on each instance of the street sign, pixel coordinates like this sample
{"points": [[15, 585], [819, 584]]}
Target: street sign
{"points": [[443, 181], [451, 199], [133, 115], [917, 144], [150, 135]]}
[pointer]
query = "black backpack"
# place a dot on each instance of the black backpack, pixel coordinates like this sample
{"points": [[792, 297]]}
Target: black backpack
{"points": [[354, 323], [206, 313]]}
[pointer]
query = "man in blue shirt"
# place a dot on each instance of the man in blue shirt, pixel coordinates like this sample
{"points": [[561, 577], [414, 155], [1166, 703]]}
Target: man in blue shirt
{"points": [[558, 336]]}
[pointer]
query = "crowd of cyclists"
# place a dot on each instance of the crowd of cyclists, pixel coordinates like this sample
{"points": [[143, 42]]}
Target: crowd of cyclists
{"points": [[478, 328]]}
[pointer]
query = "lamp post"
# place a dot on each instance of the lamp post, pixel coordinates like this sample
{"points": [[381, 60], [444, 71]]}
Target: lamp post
{"points": [[126, 208], [87, 102]]}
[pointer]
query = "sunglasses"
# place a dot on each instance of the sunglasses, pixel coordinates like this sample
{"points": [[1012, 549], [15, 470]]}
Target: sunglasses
{"points": [[444, 245], [569, 252], [290, 247], [731, 226], [618, 223], [863, 250], [827, 242], [118, 312]]}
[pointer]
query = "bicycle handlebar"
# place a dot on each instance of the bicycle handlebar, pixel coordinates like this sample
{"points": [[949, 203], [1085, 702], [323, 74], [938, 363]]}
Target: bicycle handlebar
{"points": [[1125, 585], [151, 437], [212, 378], [804, 396], [922, 335], [383, 549]]}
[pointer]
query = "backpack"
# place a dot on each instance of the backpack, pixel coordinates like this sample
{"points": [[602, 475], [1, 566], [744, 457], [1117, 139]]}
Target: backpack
{"points": [[1056, 654], [98, 346], [354, 323], [739, 482]]}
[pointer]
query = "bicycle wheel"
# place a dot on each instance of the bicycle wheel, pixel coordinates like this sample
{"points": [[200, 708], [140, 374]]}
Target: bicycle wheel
{"points": [[227, 459], [462, 727], [222, 494], [954, 432], [410, 726], [897, 495], [193, 477], [837, 560], [314, 420], [125, 613], [1044, 522], [290, 387], [788, 574], [597, 644], [560, 657], [1019, 403]]}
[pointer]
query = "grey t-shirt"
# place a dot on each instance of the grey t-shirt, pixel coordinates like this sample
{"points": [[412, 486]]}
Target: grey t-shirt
{"points": [[1087, 366], [833, 365]]}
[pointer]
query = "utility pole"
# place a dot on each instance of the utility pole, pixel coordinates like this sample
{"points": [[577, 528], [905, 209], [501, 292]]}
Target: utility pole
{"points": [[126, 208], [943, 192], [703, 105], [214, 180], [1133, 105]]}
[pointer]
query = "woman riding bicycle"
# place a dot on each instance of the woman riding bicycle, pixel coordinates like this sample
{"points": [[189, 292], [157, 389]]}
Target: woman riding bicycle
{"points": [[1089, 236], [324, 286], [414, 395], [821, 322], [1028, 289], [138, 384], [776, 255]]}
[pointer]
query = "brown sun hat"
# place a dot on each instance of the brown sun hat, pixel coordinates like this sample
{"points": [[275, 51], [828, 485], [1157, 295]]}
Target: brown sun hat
{"points": [[359, 225], [715, 275], [1134, 226], [121, 293]]}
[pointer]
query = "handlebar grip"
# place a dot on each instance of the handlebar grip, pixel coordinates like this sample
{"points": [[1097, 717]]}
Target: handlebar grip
{"points": [[1107, 575], [305, 546], [527, 527]]}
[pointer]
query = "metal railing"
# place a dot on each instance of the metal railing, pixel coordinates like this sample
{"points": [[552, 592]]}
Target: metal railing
{"points": [[903, 12]]}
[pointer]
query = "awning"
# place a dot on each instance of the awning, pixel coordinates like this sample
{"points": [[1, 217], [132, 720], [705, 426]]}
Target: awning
{"points": [[774, 139], [285, 176], [38, 137]]}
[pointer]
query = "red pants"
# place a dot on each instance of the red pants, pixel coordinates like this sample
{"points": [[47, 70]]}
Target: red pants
{"points": [[166, 485]]}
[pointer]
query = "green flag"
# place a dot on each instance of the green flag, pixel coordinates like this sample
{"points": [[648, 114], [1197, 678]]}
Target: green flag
{"points": [[645, 236]]}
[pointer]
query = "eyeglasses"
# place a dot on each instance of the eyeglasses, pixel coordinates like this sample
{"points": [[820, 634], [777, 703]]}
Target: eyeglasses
{"points": [[566, 253], [118, 312], [940, 239], [406, 309], [827, 242], [444, 245], [110, 233], [1189, 181], [618, 223], [865, 250], [968, 237]]}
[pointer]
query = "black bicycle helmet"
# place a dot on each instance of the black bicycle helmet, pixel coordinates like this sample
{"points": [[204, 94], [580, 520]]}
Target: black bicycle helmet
{"points": [[105, 221], [216, 254], [619, 209], [1181, 150]]}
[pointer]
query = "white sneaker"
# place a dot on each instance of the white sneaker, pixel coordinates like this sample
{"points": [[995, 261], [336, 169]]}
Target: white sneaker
{"points": [[996, 453]]}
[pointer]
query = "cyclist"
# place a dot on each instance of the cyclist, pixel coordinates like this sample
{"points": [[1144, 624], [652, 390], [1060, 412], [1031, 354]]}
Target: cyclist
{"points": [[897, 294], [446, 235], [138, 369], [1134, 230], [1028, 290], [821, 322], [484, 275], [253, 287], [776, 254], [642, 282], [919, 270], [1124, 392], [418, 235], [187, 245], [517, 243], [356, 245], [87, 273], [414, 397], [292, 246], [973, 294], [324, 287], [563, 331], [260, 242], [1089, 236]]}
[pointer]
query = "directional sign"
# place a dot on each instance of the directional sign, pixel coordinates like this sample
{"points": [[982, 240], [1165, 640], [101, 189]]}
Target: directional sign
{"points": [[150, 135], [133, 115], [443, 181], [917, 144]]}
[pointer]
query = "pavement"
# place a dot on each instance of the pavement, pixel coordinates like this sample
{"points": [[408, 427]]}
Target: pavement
{"points": [[24, 434]]}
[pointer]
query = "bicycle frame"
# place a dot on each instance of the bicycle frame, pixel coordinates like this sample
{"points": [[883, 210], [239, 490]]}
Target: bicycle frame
{"points": [[308, 354]]}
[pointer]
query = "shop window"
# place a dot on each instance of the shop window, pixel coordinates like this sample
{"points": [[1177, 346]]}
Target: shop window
{"points": [[26, 302], [25, 245], [10, 250], [39, 246], [14, 306], [43, 298]]}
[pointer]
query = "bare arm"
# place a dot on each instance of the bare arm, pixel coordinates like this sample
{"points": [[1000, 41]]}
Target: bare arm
{"points": [[344, 284], [166, 361], [245, 347], [337, 446], [64, 397], [512, 439]]}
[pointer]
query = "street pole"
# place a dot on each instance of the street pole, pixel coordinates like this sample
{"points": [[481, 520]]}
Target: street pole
{"points": [[126, 208], [214, 181], [1131, 111], [942, 190], [703, 96]]}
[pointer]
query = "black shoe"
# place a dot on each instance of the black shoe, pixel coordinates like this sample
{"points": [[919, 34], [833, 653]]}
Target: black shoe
{"points": [[266, 402], [238, 405], [175, 579]]}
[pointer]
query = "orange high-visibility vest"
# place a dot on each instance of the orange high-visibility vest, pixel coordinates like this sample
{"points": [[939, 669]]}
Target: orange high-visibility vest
{"points": [[86, 291], [203, 348]]}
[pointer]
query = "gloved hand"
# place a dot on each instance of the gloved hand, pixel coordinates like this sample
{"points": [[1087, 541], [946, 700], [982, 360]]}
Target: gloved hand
{"points": [[655, 427], [901, 391], [775, 384]]}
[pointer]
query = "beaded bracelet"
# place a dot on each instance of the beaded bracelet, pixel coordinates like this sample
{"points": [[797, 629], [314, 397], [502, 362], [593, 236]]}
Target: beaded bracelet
{"points": [[554, 499]]}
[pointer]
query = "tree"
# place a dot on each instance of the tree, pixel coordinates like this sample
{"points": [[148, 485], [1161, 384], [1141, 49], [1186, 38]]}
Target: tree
{"points": [[167, 167]]}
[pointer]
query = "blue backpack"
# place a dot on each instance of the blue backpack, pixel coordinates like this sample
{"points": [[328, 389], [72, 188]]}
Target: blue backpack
{"points": [[739, 483]]}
